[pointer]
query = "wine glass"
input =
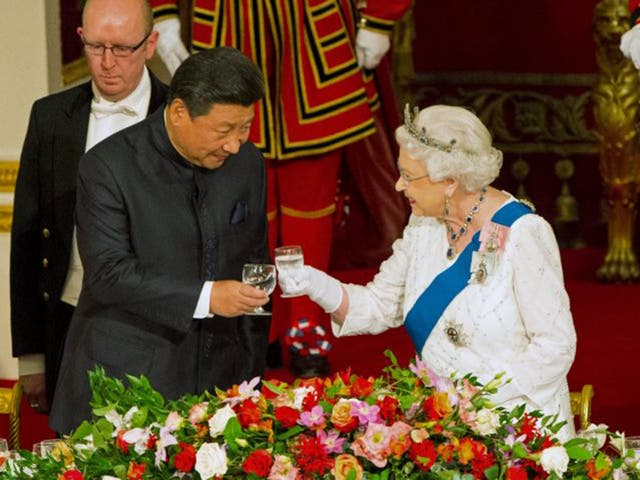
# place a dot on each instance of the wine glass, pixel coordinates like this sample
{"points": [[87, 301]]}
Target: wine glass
{"points": [[633, 443], [4, 453], [289, 258], [262, 276], [45, 448]]}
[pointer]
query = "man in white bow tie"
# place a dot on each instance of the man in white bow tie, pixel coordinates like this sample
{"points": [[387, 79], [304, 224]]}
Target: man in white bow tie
{"points": [[46, 273]]}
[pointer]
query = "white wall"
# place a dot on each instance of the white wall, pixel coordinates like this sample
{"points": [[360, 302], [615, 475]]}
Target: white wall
{"points": [[30, 53]]}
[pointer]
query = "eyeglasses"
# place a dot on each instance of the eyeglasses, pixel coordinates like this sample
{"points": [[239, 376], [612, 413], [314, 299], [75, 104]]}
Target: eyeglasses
{"points": [[98, 49], [406, 179]]}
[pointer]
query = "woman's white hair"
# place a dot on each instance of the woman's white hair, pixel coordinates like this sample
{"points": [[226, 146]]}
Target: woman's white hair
{"points": [[452, 143]]}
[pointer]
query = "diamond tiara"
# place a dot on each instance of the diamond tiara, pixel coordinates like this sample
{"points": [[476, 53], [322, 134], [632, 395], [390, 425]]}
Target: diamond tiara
{"points": [[420, 134]]}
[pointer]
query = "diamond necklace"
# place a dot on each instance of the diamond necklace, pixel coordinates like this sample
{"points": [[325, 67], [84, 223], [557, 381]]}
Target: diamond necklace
{"points": [[452, 236]]}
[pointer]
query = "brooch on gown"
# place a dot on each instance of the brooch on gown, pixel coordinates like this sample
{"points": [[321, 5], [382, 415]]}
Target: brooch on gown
{"points": [[455, 333], [493, 237]]}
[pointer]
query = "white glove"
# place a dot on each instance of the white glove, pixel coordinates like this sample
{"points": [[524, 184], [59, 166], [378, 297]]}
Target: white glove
{"points": [[170, 47], [323, 289], [630, 45], [371, 47]]}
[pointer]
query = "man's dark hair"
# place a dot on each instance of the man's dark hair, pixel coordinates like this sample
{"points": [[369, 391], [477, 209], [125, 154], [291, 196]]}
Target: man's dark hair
{"points": [[221, 75]]}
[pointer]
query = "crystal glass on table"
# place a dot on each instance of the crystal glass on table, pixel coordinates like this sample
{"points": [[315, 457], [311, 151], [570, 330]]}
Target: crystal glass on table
{"points": [[262, 276], [45, 448], [633, 443], [4, 453], [289, 258]]}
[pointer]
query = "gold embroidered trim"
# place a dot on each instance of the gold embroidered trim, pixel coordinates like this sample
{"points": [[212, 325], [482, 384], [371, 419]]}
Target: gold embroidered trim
{"points": [[8, 175], [323, 212]]}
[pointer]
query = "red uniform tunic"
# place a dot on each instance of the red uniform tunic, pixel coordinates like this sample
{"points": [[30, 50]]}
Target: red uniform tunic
{"points": [[634, 8]]}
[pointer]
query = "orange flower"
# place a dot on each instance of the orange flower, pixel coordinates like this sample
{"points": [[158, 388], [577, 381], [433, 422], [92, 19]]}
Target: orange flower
{"points": [[341, 417], [136, 470], [344, 465], [362, 387], [445, 450], [595, 474], [202, 430], [469, 449], [437, 406]]}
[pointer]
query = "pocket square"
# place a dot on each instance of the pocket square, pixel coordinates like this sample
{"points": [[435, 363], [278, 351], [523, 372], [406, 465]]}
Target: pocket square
{"points": [[239, 213]]}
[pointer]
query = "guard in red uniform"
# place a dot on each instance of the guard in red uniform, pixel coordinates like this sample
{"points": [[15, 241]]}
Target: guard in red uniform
{"points": [[318, 100]]}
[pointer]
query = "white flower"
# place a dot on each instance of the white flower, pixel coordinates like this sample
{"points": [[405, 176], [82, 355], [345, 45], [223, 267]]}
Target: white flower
{"points": [[118, 421], [487, 421], [597, 432], [554, 460], [139, 438], [211, 460], [617, 442], [619, 474], [218, 421], [299, 394], [173, 421]]}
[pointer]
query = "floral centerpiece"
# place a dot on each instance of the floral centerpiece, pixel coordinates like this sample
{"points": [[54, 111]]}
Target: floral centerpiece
{"points": [[407, 424]]}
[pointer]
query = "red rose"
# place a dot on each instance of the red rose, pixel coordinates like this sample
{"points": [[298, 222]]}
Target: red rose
{"points": [[72, 475], [136, 470], [388, 408], [287, 416], [248, 413], [516, 473], [259, 463], [423, 454], [186, 458]]}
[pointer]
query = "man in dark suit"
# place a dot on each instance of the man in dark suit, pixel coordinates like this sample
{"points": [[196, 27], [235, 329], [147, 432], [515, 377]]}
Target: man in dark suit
{"points": [[46, 273], [168, 212]]}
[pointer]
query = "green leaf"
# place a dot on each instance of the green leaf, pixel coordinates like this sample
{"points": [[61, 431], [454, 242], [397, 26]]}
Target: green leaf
{"points": [[120, 471], [519, 451], [579, 453], [273, 387], [518, 411], [492, 473], [232, 432], [291, 432], [139, 418], [392, 358], [602, 461], [82, 431]]}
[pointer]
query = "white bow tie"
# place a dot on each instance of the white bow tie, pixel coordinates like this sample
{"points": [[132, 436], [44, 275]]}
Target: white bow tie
{"points": [[101, 110]]}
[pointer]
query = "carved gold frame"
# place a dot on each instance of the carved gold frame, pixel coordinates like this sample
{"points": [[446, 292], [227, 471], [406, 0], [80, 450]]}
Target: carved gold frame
{"points": [[8, 176]]}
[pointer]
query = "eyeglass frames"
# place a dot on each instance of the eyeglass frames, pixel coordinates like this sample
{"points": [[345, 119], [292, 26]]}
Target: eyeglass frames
{"points": [[98, 49]]}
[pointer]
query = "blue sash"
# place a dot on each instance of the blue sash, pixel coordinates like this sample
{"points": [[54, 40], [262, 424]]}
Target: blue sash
{"points": [[431, 304]]}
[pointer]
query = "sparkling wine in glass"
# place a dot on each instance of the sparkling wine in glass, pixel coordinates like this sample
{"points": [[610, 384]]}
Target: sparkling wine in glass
{"points": [[289, 259], [262, 276]]}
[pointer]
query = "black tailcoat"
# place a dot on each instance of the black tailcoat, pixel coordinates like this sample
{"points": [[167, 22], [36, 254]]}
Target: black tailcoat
{"points": [[42, 230]]}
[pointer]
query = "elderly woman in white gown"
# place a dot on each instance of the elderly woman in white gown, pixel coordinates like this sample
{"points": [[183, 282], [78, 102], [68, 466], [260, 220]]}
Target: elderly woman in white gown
{"points": [[476, 278]]}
